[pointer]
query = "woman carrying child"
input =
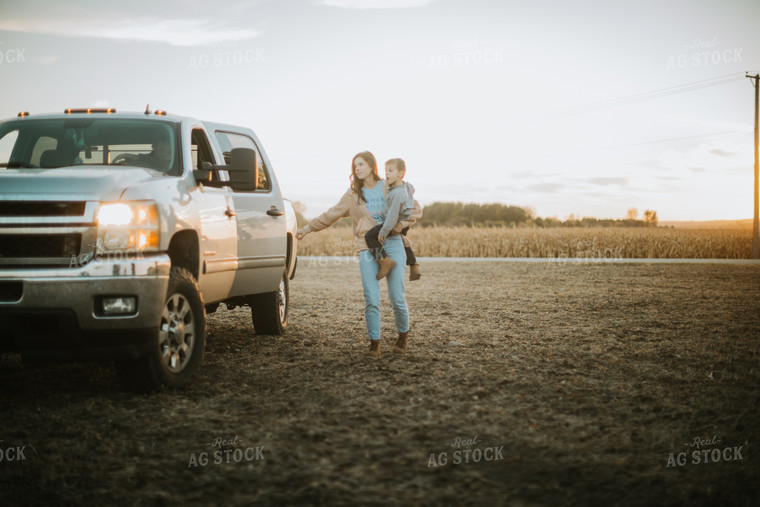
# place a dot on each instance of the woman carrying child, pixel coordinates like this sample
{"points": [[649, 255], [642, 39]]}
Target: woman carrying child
{"points": [[399, 196], [364, 202]]}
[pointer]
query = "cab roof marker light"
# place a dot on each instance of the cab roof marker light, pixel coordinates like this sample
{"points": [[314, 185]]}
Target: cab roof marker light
{"points": [[160, 112], [23, 114], [89, 110]]}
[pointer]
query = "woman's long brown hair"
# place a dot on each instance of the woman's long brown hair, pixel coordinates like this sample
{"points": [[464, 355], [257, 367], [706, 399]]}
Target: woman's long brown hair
{"points": [[356, 183]]}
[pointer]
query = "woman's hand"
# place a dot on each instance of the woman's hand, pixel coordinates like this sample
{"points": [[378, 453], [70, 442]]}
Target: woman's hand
{"points": [[303, 231]]}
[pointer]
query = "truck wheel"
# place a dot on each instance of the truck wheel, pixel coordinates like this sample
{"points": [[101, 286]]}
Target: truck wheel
{"points": [[269, 311], [180, 339]]}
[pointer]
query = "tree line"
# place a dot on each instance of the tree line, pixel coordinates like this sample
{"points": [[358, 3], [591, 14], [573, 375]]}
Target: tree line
{"points": [[458, 214], [501, 215]]}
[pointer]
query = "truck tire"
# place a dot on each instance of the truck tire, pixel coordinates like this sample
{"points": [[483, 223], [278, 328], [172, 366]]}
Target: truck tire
{"points": [[180, 340], [269, 311]]}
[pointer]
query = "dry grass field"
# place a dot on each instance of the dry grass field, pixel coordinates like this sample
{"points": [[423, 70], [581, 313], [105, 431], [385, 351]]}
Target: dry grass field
{"points": [[525, 384], [615, 242]]}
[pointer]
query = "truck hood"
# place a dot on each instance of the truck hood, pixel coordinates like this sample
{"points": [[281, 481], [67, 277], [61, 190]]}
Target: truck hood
{"points": [[98, 183]]}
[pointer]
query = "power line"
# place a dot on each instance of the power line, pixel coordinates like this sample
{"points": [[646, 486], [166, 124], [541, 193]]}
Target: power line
{"points": [[686, 138], [655, 94]]}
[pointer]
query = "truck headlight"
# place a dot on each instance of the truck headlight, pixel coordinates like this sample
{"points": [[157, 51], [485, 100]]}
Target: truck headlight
{"points": [[127, 227]]}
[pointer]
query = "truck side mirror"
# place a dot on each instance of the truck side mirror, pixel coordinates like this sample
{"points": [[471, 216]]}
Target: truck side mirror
{"points": [[243, 169], [242, 173], [205, 174], [211, 175]]}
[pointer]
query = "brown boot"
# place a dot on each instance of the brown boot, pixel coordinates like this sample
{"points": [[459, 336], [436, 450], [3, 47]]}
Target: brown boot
{"points": [[400, 346], [374, 349], [414, 272], [386, 264]]}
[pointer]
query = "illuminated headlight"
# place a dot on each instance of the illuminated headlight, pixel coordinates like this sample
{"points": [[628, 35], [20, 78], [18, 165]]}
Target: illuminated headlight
{"points": [[115, 214], [128, 227]]}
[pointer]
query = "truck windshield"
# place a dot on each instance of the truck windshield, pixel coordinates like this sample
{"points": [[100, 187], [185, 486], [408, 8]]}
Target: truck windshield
{"points": [[88, 142]]}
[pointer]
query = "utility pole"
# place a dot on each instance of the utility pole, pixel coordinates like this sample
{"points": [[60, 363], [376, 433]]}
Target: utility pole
{"points": [[756, 221]]}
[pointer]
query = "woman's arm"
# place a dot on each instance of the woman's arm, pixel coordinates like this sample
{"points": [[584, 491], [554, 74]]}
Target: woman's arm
{"points": [[329, 217]]}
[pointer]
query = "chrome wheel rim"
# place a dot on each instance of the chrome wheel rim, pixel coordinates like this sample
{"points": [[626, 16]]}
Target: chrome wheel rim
{"points": [[282, 301], [176, 334]]}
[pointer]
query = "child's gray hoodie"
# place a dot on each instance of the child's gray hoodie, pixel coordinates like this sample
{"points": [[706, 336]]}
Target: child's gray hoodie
{"points": [[399, 206]]}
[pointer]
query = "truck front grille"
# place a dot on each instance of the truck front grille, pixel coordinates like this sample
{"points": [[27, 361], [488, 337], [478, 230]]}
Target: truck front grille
{"points": [[35, 233], [41, 209], [40, 245], [10, 292]]}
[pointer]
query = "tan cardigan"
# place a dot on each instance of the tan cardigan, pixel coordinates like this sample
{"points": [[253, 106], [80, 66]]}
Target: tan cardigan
{"points": [[350, 206]]}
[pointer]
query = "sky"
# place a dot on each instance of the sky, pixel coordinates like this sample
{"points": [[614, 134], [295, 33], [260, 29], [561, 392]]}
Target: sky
{"points": [[585, 107]]}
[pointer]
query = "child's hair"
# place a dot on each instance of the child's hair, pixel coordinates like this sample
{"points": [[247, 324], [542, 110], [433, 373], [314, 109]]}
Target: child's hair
{"points": [[399, 163]]}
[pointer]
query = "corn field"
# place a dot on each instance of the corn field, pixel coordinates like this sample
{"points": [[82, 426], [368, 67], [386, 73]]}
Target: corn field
{"points": [[588, 243]]}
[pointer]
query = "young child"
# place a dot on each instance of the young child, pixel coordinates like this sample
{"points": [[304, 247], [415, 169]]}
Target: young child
{"points": [[400, 203]]}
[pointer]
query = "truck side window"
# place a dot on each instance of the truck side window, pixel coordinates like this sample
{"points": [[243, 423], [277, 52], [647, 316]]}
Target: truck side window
{"points": [[200, 148], [6, 147], [230, 140]]}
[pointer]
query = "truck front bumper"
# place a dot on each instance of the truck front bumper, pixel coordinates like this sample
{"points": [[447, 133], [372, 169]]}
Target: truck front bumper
{"points": [[48, 314]]}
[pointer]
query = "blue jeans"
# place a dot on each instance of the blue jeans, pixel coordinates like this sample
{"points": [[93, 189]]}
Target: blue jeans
{"points": [[368, 267]]}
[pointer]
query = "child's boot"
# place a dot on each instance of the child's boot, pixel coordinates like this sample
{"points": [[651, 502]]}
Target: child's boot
{"points": [[386, 264], [374, 349], [414, 272]]}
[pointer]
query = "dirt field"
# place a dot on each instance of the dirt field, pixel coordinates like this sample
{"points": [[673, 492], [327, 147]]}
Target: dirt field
{"points": [[525, 384]]}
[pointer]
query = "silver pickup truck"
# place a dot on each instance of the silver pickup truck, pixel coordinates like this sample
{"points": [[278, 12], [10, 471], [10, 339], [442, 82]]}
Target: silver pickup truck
{"points": [[120, 231]]}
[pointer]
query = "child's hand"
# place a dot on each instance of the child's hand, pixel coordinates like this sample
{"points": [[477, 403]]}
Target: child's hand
{"points": [[381, 239]]}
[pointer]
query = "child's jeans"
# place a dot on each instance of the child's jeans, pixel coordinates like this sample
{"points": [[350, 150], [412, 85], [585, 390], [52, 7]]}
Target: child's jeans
{"points": [[377, 248]]}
